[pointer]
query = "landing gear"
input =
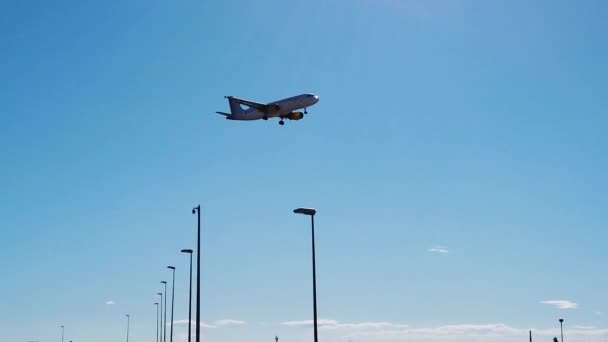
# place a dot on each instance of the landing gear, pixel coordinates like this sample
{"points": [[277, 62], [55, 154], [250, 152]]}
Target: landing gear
{"points": [[281, 122], [265, 117], [305, 112]]}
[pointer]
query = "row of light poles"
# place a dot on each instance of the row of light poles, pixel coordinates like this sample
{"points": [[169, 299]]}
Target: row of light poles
{"points": [[161, 335], [159, 306]]}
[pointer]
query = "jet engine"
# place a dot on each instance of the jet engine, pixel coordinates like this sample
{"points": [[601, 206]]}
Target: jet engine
{"points": [[295, 115]]}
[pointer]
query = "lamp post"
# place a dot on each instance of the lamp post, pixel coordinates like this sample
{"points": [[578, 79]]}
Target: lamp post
{"points": [[197, 210], [561, 327], [157, 321], [311, 212], [62, 330], [172, 301], [128, 323], [189, 251], [165, 320], [161, 316]]}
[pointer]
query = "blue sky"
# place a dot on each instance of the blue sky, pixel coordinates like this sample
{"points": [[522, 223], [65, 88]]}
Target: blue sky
{"points": [[456, 159]]}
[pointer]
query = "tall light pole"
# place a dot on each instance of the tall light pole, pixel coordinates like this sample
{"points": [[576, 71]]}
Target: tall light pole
{"points": [[157, 321], [311, 212], [561, 327], [62, 330], [128, 323], [197, 210], [189, 251], [172, 301], [161, 316], [165, 320]]}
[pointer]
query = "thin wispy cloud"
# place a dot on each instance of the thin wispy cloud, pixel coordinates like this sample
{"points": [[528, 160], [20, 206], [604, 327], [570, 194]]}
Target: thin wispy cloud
{"points": [[320, 322], [216, 324], [222, 322], [110, 302], [439, 249], [561, 304], [329, 323], [369, 331], [494, 332], [185, 322]]}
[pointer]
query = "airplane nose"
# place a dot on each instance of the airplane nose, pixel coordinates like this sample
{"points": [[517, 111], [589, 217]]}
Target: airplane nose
{"points": [[316, 98]]}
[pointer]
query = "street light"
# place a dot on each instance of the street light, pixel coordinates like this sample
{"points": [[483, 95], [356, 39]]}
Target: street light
{"points": [[165, 321], [62, 330], [189, 251], [157, 321], [172, 301], [561, 327], [197, 210], [161, 316], [311, 212], [128, 323]]}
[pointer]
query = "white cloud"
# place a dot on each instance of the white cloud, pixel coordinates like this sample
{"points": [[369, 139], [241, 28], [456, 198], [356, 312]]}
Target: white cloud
{"points": [[439, 249], [370, 331], [333, 324], [320, 322], [483, 332], [371, 325], [465, 332], [185, 322], [228, 322], [110, 302], [561, 304], [216, 324]]}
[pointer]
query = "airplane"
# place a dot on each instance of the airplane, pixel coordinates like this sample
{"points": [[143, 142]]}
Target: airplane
{"points": [[283, 109]]}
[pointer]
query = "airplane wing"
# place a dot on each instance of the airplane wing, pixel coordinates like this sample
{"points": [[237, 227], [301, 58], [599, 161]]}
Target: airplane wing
{"points": [[259, 106]]}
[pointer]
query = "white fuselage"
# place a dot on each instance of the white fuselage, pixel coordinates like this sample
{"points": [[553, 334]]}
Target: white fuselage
{"points": [[285, 107]]}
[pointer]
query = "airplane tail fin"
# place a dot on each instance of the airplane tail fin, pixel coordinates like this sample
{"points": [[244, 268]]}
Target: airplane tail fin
{"points": [[235, 107]]}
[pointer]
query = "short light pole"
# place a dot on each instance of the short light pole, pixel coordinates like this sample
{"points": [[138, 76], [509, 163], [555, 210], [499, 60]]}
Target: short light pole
{"points": [[161, 316], [561, 327], [311, 212], [197, 210], [172, 301], [157, 321], [62, 330], [128, 323], [165, 320], [189, 251]]}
